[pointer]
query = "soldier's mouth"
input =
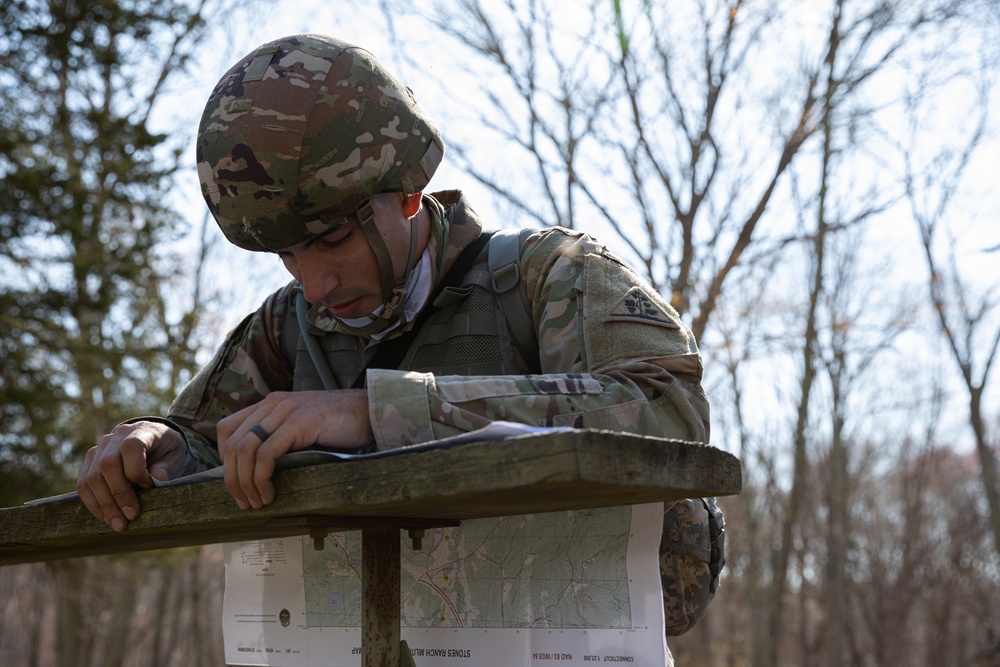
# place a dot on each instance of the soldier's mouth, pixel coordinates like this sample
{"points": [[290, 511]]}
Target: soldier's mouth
{"points": [[346, 309]]}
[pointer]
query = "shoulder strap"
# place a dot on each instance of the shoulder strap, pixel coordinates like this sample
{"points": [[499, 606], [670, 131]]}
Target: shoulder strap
{"points": [[505, 269]]}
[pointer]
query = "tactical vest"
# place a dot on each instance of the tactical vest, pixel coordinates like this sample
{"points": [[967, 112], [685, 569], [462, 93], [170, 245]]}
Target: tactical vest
{"points": [[483, 326]]}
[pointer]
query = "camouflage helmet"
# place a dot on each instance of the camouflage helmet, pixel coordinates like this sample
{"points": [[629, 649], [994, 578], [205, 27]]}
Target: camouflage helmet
{"points": [[300, 132]]}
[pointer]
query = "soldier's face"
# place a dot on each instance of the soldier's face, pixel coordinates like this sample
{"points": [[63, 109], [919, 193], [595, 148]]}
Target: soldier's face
{"points": [[339, 269]]}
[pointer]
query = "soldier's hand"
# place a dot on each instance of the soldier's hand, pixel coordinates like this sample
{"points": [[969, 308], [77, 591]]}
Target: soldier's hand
{"points": [[253, 439], [131, 455]]}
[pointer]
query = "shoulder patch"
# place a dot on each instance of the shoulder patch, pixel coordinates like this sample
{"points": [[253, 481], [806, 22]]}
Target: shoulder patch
{"points": [[637, 305]]}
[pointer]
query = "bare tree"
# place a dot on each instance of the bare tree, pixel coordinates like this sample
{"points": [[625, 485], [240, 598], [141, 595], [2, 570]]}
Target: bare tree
{"points": [[658, 129], [845, 67], [966, 318]]}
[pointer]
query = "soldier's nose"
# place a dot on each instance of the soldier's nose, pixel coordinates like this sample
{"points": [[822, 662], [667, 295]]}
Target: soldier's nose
{"points": [[317, 281]]}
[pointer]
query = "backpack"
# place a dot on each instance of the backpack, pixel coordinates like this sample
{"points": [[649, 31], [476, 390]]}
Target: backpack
{"points": [[692, 555]]}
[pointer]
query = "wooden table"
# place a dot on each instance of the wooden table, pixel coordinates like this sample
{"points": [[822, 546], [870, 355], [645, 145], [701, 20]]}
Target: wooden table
{"points": [[542, 472]]}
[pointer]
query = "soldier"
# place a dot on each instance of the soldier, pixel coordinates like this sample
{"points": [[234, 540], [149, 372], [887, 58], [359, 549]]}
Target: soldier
{"points": [[404, 322]]}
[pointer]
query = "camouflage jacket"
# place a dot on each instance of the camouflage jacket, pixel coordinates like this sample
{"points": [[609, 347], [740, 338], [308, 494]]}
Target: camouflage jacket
{"points": [[613, 354]]}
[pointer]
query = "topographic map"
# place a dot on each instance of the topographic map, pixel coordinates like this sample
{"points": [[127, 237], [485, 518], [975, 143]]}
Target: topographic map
{"points": [[563, 570], [568, 587]]}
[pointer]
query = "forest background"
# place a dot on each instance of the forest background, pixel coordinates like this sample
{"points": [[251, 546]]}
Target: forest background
{"points": [[812, 184]]}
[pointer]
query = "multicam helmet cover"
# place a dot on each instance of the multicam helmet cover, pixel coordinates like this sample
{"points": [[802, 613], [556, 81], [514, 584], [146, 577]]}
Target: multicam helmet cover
{"points": [[300, 132]]}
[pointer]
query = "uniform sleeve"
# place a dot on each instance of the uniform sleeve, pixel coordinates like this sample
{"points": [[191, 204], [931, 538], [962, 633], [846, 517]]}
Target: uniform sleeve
{"points": [[248, 366], [614, 355]]}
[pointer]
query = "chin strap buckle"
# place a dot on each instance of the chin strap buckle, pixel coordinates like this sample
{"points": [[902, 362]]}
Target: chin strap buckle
{"points": [[395, 304]]}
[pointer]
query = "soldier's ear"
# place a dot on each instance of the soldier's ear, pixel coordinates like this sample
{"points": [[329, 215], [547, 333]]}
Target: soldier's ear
{"points": [[411, 204]]}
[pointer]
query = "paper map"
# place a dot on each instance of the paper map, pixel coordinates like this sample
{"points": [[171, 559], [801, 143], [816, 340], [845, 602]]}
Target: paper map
{"points": [[573, 588]]}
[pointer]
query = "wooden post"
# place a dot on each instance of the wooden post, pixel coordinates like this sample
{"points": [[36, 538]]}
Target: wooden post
{"points": [[380, 577]]}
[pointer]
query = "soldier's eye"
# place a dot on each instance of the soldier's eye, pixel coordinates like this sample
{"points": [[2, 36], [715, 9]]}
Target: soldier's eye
{"points": [[336, 241]]}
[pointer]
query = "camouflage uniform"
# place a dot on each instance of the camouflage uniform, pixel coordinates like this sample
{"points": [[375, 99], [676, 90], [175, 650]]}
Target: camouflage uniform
{"points": [[294, 140], [613, 355]]}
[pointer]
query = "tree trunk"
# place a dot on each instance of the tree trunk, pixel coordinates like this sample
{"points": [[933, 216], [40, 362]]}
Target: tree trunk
{"points": [[987, 459], [836, 581]]}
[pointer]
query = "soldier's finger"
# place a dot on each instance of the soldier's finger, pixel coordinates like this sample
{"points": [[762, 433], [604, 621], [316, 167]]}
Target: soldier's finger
{"points": [[276, 446], [83, 485], [112, 492], [133, 456], [230, 471], [247, 451]]}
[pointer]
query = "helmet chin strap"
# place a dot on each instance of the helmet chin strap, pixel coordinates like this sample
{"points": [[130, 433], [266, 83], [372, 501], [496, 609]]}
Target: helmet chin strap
{"points": [[393, 290]]}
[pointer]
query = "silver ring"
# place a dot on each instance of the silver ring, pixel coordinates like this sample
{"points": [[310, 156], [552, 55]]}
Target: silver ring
{"points": [[260, 432]]}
